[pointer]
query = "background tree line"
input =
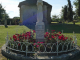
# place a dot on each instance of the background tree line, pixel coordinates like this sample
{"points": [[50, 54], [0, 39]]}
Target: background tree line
{"points": [[5, 20], [67, 13]]}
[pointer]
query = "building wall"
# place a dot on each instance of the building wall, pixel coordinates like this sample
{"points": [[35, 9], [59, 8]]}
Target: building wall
{"points": [[28, 14], [49, 14]]}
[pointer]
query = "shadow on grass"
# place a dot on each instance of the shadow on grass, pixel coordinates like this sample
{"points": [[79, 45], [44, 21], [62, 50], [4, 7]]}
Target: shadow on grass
{"points": [[67, 28]]}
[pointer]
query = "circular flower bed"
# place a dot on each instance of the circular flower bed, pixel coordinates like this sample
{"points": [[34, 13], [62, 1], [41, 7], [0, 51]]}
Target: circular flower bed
{"points": [[54, 42]]}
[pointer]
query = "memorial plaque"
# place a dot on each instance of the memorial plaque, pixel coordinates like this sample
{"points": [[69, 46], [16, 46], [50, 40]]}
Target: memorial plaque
{"points": [[40, 34]]}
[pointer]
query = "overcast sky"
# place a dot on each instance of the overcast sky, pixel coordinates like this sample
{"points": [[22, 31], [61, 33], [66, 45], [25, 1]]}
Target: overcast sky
{"points": [[11, 6]]}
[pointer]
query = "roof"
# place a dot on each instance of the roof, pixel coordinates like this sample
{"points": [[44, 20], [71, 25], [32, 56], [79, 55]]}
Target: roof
{"points": [[32, 2]]}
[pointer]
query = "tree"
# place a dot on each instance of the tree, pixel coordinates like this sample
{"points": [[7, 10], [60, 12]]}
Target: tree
{"points": [[16, 20], [61, 13], [16, 17], [77, 6], [65, 13], [55, 18], [3, 16], [70, 12], [1, 11]]}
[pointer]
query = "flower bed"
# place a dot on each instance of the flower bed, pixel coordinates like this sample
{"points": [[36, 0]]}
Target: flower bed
{"points": [[54, 43]]}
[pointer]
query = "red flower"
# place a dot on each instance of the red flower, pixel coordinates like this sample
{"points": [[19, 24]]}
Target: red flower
{"points": [[34, 44], [37, 45], [56, 35], [33, 31], [19, 44], [52, 36], [34, 41], [10, 38], [71, 38], [73, 41], [14, 40], [41, 42], [63, 39], [60, 37], [38, 42], [59, 32], [45, 36], [18, 39], [52, 31], [66, 38], [47, 33], [50, 39], [14, 36]]}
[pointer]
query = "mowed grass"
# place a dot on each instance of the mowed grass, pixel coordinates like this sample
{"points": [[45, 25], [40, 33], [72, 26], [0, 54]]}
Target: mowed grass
{"points": [[67, 29], [11, 30]]}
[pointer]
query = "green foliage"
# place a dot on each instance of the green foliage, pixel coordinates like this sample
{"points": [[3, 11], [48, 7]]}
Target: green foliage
{"points": [[1, 11], [70, 11], [55, 18], [78, 18], [65, 13], [16, 17], [77, 5], [78, 10], [3, 16]]}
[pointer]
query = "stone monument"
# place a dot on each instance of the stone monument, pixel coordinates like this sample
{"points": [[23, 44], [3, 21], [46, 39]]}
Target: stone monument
{"points": [[40, 26], [28, 13]]}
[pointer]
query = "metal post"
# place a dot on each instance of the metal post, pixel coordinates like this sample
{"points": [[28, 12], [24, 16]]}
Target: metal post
{"points": [[24, 37], [47, 30], [16, 31], [7, 42], [57, 45], [75, 41], [7, 38], [30, 30], [62, 31], [27, 38], [73, 35], [27, 46], [31, 33], [26, 50]]}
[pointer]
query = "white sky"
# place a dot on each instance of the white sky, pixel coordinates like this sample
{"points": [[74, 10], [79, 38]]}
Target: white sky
{"points": [[11, 6]]}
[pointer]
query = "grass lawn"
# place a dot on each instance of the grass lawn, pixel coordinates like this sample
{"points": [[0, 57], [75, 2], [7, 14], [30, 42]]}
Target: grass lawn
{"points": [[67, 29], [11, 30]]}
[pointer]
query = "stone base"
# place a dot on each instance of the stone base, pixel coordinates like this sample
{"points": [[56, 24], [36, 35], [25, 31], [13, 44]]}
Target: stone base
{"points": [[40, 40], [40, 30], [15, 56]]}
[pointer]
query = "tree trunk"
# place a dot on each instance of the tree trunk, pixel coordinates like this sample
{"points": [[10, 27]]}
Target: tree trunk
{"points": [[5, 24], [74, 23]]}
